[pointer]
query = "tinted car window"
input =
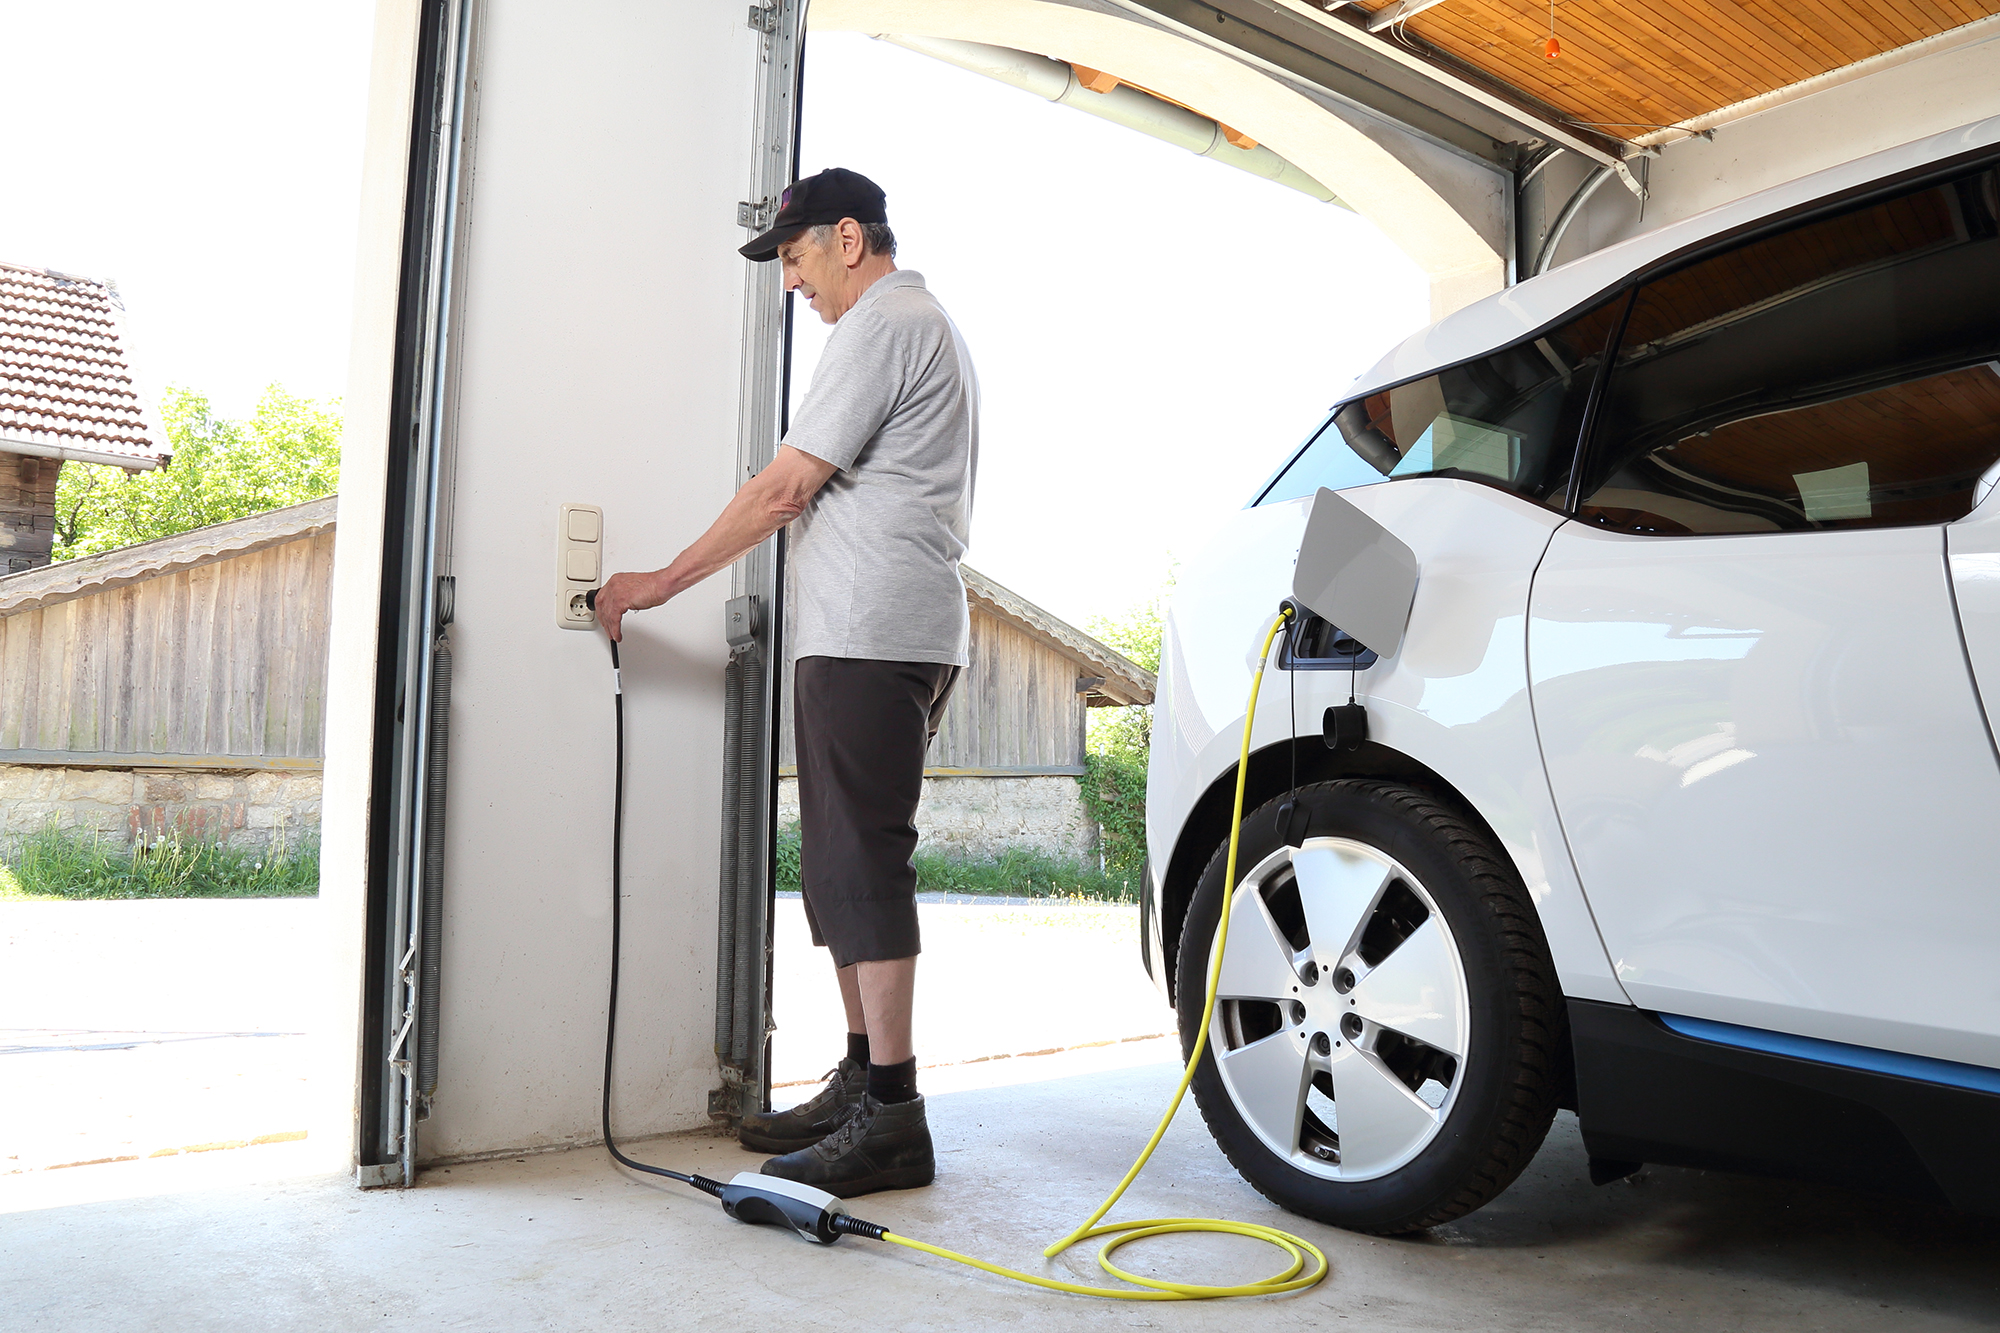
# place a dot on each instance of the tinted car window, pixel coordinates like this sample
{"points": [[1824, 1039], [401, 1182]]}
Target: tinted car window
{"points": [[1509, 420], [1843, 374]]}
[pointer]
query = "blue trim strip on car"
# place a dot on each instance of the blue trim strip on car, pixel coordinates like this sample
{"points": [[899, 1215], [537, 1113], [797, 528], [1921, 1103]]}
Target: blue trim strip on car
{"points": [[1924, 1068]]}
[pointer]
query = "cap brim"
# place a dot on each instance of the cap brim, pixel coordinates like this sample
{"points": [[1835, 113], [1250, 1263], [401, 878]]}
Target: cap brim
{"points": [[764, 248]]}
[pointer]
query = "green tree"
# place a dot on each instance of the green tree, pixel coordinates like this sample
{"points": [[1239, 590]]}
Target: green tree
{"points": [[288, 452], [1119, 740], [1135, 633]]}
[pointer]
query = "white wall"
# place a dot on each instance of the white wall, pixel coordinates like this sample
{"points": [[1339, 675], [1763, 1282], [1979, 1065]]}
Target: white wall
{"points": [[603, 308]]}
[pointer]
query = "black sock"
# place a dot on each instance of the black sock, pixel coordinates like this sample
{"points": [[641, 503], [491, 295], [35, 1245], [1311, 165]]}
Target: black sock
{"points": [[890, 1084], [857, 1048]]}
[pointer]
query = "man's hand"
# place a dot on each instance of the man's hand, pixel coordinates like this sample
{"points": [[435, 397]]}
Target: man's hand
{"points": [[628, 592], [768, 501]]}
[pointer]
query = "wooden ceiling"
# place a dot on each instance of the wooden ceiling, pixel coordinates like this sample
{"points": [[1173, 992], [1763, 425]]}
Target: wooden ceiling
{"points": [[1629, 66]]}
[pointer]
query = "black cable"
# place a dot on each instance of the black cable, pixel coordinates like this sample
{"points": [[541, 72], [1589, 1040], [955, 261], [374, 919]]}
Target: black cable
{"points": [[1292, 675], [702, 1183], [1290, 614]]}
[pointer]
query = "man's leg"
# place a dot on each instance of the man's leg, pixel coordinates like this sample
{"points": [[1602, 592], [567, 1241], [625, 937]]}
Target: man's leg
{"points": [[887, 993], [850, 998], [862, 728]]}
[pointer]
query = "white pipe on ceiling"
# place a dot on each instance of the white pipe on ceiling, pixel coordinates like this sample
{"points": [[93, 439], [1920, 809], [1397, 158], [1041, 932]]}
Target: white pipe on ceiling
{"points": [[1124, 105]]}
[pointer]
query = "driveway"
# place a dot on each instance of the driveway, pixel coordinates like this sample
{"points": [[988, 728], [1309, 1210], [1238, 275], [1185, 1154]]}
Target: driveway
{"points": [[141, 1029]]}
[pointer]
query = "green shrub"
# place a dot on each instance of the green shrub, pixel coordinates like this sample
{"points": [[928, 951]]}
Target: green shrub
{"points": [[1024, 873], [788, 858], [1019, 873], [1114, 795], [1118, 741], [66, 863]]}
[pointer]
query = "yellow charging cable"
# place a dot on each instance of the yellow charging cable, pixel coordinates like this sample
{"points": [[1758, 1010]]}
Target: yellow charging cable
{"points": [[1294, 1277]]}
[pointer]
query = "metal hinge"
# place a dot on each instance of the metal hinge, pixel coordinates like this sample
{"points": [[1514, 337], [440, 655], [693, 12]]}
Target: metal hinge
{"points": [[757, 216], [763, 18]]}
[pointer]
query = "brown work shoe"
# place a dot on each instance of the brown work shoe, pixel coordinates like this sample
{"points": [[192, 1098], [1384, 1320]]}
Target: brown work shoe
{"points": [[807, 1123], [878, 1146]]}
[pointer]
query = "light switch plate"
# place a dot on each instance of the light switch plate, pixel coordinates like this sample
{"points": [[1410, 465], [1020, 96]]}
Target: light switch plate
{"points": [[578, 554]]}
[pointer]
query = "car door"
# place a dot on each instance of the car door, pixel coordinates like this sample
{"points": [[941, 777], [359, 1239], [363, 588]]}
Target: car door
{"points": [[1751, 691]]}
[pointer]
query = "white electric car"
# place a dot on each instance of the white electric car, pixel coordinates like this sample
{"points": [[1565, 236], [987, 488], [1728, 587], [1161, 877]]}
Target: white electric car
{"points": [[1679, 805]]}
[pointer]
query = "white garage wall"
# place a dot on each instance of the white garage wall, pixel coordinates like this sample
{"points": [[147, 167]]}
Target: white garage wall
{"points": [[600, 343]]}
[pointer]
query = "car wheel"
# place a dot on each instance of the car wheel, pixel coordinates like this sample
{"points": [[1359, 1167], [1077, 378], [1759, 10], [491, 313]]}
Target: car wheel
{"points": [[1383, 1053]]}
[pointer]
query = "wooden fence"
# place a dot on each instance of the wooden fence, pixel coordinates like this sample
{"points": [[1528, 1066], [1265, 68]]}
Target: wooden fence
{"points": [[225, 658]]}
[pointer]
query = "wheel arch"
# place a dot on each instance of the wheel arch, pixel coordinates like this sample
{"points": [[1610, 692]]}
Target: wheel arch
{"points": [[1207, 822]]}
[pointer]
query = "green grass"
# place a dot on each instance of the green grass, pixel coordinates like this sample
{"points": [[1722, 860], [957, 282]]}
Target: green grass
{"points": [[1019, 874], [66, 865]]}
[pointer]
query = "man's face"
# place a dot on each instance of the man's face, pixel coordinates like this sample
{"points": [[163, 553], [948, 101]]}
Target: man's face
{"points": [[819, 273]]}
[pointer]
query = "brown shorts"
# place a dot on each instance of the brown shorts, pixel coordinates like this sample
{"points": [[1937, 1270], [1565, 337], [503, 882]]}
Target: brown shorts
{"points": [[862, 728]]}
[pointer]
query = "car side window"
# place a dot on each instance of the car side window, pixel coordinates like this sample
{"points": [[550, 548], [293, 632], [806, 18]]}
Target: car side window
{"points": [[1509, 419], [1844, 374]]}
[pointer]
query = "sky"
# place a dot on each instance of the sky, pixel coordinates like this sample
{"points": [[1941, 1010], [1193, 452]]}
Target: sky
{"points": [[206, 156], [1153, 331]]}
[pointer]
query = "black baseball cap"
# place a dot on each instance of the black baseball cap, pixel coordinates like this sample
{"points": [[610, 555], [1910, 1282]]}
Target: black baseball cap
{"points": [[833, 194]]}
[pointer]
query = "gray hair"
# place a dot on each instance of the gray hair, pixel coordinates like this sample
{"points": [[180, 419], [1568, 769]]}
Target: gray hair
{"points": [[876, 238]]}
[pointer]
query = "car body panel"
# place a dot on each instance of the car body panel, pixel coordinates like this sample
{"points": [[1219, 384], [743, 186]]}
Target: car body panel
{"points": [[1765, 749], [1454, 697]]}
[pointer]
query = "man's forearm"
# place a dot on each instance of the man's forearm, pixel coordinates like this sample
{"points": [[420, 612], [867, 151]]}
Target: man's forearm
{"points": [[746, 522], [768, 501]]}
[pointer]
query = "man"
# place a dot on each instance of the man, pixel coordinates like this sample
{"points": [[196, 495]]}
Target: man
{"points": [[875, 478]]}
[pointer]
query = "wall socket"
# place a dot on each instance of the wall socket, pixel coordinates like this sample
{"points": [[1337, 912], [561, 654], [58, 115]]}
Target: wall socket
{"points": [[579, 563]]}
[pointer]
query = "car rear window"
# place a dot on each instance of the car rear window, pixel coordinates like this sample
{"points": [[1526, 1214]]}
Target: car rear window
{"points": [[1509, 419]]}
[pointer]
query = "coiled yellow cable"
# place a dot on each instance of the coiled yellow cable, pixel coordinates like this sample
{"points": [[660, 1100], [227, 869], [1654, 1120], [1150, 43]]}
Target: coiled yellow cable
{"points": [[1294, 1277]]}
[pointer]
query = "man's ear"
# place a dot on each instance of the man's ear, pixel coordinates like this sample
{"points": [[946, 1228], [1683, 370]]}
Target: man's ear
{"points": [[852, 248]]}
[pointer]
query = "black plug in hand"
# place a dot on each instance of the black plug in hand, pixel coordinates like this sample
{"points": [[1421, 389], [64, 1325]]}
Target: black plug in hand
{"points": [[590, 600]]}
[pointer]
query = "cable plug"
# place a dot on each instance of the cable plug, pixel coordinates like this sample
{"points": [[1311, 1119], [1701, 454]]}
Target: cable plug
{"points": [[816, 1215]]}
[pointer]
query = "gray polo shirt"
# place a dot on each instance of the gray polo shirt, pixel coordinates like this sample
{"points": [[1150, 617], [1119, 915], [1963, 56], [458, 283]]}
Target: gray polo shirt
{"points": [[894, 405]]}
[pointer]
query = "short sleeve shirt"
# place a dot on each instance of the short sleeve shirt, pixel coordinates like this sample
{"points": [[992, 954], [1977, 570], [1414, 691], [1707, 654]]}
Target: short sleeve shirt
{"points": [[894, 405]]}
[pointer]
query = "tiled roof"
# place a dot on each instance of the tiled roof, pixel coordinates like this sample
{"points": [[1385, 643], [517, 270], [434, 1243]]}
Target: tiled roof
{"points": [[66, 384]]}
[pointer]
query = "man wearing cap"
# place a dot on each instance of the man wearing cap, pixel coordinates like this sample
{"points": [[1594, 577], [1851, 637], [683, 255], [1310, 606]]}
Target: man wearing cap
{"points": [[875, 478]]}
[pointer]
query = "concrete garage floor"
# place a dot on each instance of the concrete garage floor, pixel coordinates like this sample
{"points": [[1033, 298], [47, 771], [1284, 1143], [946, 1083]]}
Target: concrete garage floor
{"points": [[565, 1241], [243, 1240]]}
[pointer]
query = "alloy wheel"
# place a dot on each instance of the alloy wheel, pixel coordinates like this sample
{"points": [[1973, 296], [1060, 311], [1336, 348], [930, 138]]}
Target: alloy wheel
{"points": [[1341, 1023]]}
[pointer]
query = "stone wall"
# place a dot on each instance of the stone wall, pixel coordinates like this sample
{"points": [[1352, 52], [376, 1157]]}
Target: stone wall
{"points": [[238, 807], [984, 817]]}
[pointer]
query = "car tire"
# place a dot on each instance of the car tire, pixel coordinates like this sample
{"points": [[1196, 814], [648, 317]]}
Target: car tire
{"points": [[1384, 965]]}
